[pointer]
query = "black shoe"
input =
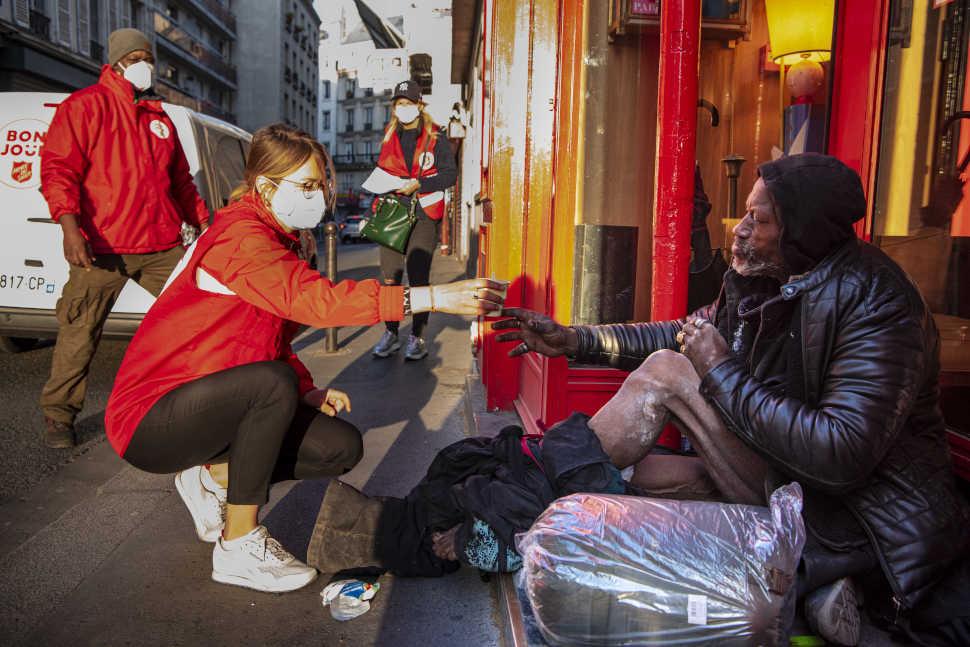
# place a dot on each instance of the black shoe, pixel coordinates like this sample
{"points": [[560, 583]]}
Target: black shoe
{"points": [[58, 435], [833, 613]]}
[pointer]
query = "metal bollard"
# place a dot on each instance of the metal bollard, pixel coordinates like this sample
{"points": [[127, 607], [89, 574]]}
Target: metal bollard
{"points": [[330, 244]]}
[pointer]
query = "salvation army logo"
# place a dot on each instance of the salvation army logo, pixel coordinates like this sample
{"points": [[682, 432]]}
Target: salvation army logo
{"points": [[20, 143], [159, 129], [22, 171], [426, 160], [402, 86]]}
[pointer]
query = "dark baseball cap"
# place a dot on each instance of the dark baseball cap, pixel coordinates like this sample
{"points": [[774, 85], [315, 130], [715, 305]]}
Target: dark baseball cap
{"points": [[407, 89]]}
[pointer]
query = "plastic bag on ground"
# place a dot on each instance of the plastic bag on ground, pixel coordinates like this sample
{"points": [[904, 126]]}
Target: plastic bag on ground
{"points": [[622, 570], [348, 599]]}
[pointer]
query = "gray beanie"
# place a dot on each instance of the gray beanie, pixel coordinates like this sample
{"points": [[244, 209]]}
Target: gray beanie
{"points": [[122, 42]]}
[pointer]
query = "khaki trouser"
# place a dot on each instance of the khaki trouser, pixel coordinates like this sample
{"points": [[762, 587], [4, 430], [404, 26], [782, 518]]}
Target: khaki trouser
{"points": [[84, 305], [665, 389]]}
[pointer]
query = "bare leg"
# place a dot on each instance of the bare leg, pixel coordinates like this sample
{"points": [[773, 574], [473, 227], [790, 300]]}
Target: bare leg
{"points": [[664, 387], [240, 519], [220, 473]]}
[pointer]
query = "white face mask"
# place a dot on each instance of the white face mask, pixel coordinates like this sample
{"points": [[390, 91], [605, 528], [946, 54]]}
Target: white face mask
{"points": [[296, 208], [139, 74], [406, 114]]}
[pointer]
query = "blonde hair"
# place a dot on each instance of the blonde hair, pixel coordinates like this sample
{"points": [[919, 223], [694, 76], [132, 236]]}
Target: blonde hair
{"points": [[427, 123], [278, 150]]}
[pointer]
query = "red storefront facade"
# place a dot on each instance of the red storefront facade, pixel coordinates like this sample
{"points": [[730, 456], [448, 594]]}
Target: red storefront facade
{"points": [[586, 128]]}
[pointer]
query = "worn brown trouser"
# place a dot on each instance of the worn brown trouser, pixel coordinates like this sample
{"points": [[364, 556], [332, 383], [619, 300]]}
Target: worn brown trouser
{"points": [[85, 302], [665, 389]]}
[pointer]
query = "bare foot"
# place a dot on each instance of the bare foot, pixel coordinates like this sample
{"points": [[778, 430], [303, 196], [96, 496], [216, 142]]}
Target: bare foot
{"points": [[443, 544]]}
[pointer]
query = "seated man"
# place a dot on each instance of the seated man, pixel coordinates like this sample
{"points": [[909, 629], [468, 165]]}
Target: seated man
{"points": [[818, 363]]}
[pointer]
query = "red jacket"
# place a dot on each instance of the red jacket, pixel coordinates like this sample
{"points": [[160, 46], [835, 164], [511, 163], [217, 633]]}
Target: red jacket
{"points": [[423, 165], [257, 293], [119, 165]]}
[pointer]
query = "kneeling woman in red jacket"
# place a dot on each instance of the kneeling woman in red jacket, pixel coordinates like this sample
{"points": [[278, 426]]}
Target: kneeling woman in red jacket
{"points": [[210, 378]]}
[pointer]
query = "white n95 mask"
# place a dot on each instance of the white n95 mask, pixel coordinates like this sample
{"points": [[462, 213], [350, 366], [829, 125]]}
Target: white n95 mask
{"points": [[140, 74], [295, 207], [406, 114]]}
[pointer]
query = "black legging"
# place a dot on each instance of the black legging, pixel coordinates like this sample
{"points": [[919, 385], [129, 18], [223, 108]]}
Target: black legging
{"points": [[251, 416], [420, 251]]}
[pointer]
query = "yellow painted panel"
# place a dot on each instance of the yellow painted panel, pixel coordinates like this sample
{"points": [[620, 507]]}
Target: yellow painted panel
{"points": [[903, 163]]}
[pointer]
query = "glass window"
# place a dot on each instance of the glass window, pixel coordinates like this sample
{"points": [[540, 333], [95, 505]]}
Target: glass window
{"points": [[229, 162], [326, 89], [326, 120], [350, 119], [921, 211], [921, 216]]}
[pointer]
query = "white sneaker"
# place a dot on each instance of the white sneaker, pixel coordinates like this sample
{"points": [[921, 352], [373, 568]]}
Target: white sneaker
{"points": [[257, 561], [205, 499]]}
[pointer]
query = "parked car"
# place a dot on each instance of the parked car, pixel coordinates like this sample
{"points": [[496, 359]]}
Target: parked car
{"points": [[32, 265], [350, 229]]}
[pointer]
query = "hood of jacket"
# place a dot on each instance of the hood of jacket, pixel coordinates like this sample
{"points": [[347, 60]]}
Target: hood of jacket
{"points": [[819, 198]]}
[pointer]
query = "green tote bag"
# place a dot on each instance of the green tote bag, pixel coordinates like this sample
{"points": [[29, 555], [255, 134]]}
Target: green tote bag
{"points": [[392, 222]]}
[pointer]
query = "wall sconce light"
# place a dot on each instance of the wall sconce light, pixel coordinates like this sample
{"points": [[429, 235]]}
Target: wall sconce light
{"points": [[800, 32]]}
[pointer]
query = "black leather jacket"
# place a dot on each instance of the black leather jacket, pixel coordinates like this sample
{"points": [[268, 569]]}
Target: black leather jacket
{"points": [[868, 429]]}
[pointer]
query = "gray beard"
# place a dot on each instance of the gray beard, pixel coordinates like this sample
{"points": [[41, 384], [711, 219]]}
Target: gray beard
{"points": [[755, 265]]}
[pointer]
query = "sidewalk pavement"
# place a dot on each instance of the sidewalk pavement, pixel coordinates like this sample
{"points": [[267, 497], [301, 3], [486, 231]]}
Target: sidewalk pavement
{"points": [[103, 554]]}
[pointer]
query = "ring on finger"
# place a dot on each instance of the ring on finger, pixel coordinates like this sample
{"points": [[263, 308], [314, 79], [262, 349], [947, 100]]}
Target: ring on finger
{"points": [[523, 347], [699, 322]]}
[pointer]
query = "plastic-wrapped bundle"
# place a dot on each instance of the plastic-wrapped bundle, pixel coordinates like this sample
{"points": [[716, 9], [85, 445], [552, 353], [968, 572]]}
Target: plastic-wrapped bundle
{"points": [[622, 570]]}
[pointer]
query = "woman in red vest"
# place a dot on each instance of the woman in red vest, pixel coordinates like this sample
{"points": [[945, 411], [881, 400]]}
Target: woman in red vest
{"points": [[210, 386], [415, 148]]}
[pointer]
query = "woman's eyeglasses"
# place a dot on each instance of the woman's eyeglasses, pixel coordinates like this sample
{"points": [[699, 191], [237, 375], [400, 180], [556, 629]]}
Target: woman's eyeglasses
{"points": [[308, 188]]}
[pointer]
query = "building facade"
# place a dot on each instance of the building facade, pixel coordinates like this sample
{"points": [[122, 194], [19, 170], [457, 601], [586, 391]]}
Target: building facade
{"points": [[51, 46], [60, 46], [280, 80], [327, 93], [195, 42]]}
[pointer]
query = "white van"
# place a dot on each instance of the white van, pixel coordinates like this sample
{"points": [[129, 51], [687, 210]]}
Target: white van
{"points": [[32, 265]]}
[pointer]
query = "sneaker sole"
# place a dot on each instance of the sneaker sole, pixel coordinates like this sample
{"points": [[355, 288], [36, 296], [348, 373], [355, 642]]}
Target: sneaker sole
{"points": [[840, 631], [414, 358], [394, 349], [236, 580], [193, 512]]}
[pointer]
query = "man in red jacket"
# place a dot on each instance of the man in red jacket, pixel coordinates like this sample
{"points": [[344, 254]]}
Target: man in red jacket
{"points": [[116, 179]]}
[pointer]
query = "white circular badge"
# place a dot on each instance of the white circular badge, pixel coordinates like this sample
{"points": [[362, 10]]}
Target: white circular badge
{"points": [[20, 144], [159, 129], [426, 160]]}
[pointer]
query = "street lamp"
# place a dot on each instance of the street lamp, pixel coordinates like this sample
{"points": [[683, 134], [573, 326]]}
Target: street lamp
{"points": [[800, 32]]}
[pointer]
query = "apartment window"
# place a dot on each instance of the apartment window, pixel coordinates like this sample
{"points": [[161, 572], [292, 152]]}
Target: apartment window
{"points": [[326, 120], [369, 117], [350, 119], [387, 114], [326, 90], [348, 150]]}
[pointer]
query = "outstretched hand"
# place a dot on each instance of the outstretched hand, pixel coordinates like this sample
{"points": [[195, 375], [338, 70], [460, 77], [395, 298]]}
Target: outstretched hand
{"points": [[536, 332], [470, 297]]}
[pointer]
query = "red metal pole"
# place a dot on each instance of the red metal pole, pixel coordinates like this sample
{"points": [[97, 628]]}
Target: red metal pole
{"points": [[676, 152]]}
